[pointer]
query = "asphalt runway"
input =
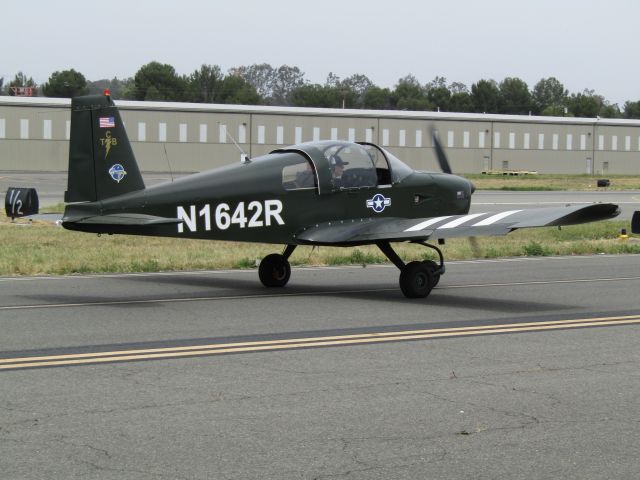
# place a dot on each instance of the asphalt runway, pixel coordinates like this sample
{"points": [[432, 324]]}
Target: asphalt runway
{"points": [[513, 368]]}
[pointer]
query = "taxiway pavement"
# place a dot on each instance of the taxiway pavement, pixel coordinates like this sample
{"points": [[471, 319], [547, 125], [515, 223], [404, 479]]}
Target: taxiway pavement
{"points": [[467, 401]]}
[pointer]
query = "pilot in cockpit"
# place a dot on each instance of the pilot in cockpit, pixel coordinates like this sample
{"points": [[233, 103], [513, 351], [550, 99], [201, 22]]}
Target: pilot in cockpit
{"points": [[337, 168]]}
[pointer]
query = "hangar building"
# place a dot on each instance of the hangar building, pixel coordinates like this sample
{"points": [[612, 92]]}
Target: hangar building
{"points": [[187, 137]]}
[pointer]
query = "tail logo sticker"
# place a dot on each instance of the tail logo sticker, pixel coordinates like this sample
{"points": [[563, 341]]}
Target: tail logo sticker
{"points": [[107, 122], [107, 142], [117, 172]]}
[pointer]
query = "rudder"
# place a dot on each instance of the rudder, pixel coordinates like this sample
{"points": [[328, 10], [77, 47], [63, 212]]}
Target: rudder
{"points": [[101, 162]]}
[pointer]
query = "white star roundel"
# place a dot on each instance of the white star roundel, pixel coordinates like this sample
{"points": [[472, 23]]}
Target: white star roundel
{"points": [[378, 203]]}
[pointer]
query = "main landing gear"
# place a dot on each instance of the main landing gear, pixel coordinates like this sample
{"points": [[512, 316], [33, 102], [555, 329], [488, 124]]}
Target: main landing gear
{"points": [[274, 269], [417, 279]]}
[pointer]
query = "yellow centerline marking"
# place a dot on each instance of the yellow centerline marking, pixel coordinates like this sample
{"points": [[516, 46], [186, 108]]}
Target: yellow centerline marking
{"points": [[284, 344]]}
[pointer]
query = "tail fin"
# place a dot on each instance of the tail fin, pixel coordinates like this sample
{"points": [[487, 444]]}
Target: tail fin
{"points": [[101, 162]]}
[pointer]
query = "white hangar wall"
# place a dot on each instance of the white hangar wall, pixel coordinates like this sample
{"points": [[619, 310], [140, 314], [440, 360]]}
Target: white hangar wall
{"points": [[34, 136]]}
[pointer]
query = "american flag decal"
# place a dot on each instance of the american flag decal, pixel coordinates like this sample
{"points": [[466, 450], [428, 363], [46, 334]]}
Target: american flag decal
{"points": [[107, 122]]}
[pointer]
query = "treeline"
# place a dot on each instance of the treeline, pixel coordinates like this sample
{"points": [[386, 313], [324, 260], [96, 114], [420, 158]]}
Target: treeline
{"points": [[262, 84]]}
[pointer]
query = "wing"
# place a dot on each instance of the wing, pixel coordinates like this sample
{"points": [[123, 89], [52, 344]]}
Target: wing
{"points": [[371, 230]]}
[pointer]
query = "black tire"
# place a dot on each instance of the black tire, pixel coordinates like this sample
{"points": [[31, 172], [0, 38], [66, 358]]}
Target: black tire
{"points": [[274, 270], [433, 266], [416, 280]]}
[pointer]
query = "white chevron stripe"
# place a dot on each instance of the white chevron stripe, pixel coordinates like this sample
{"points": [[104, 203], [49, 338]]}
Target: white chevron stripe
{"points": [[494, 218], [461, 220], [426, 223]]}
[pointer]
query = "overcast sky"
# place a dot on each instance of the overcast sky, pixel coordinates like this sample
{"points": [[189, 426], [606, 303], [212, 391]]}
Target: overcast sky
{"points": [[584, 43]]}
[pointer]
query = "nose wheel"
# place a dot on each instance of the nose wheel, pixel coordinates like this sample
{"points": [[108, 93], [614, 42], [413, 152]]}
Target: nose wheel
{"points": [[274, 269], [417, 279]]}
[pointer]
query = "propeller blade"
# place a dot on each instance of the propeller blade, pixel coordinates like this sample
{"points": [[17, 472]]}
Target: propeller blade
{"points": [[440, 155]]}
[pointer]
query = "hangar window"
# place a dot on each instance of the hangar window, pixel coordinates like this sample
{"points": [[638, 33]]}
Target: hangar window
{"points": [[554, 141], [261, 134], [600, 142], [368, 135], [627, 143], [418, 138], [24, 128], [526, 141], [300, 175], [614, 142], [46, 129], [465, 139], [385, 136], [2, 128], [583, 142], [402, 138], [242, 134], [280, 134], [496, 140], [142, 131], [67, 133], [334, 133], [569, 141], [298, 135], [222, 133], [450, 139], [352, 134], [162, 132], [203, 133], [316, 134], [183, 132], [512, 140], [481, 139], [541, 141]]}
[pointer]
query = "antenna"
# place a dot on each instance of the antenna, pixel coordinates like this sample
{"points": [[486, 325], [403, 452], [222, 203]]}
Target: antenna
{"points": [[245, 158], [164, 145]]}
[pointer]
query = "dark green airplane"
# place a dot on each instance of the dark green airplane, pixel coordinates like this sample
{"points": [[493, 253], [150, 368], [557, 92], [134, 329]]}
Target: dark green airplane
{"points": [[320, 193]]}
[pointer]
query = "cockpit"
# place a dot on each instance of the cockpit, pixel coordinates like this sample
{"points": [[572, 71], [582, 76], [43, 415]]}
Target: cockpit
{"points": [[342, 165]]}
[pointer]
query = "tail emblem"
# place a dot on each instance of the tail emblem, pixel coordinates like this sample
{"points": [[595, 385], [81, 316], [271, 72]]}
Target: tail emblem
{"points": [[117, 172]]}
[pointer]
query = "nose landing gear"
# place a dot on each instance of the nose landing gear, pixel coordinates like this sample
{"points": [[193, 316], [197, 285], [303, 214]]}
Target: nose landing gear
{"points": [[417, 279]]}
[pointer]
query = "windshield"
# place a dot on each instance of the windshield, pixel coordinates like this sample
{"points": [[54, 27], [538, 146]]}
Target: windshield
{"points": [[351, 165]]}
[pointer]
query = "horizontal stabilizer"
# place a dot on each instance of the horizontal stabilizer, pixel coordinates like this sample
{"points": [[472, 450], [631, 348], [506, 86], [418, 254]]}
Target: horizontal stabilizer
{"points": [[129, 219], [364, 231]]}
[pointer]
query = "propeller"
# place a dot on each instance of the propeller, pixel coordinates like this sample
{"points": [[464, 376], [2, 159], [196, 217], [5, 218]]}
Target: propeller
{"points": [[440, 155]]}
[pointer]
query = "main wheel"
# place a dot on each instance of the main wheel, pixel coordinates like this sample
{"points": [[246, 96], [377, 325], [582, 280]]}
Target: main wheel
{"points": [[274, 270], [416, 280], [433, 266]]}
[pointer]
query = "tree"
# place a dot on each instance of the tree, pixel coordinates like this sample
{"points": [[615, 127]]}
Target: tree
{"points": [[632, 109], [486, 96], [65, 84], [20, 80], [515, 97], [324, 96], [549, 95], [286, 80], [377, 98], [438, 93], [410, 95], [236, 90], [358, 84], [461, 102], [115, 86], [203, 84], [157, 81], [260, 76]]}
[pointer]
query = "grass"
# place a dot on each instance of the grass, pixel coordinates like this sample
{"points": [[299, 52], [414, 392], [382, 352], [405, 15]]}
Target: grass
{"points": [[552, 182], [42, 248]]}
